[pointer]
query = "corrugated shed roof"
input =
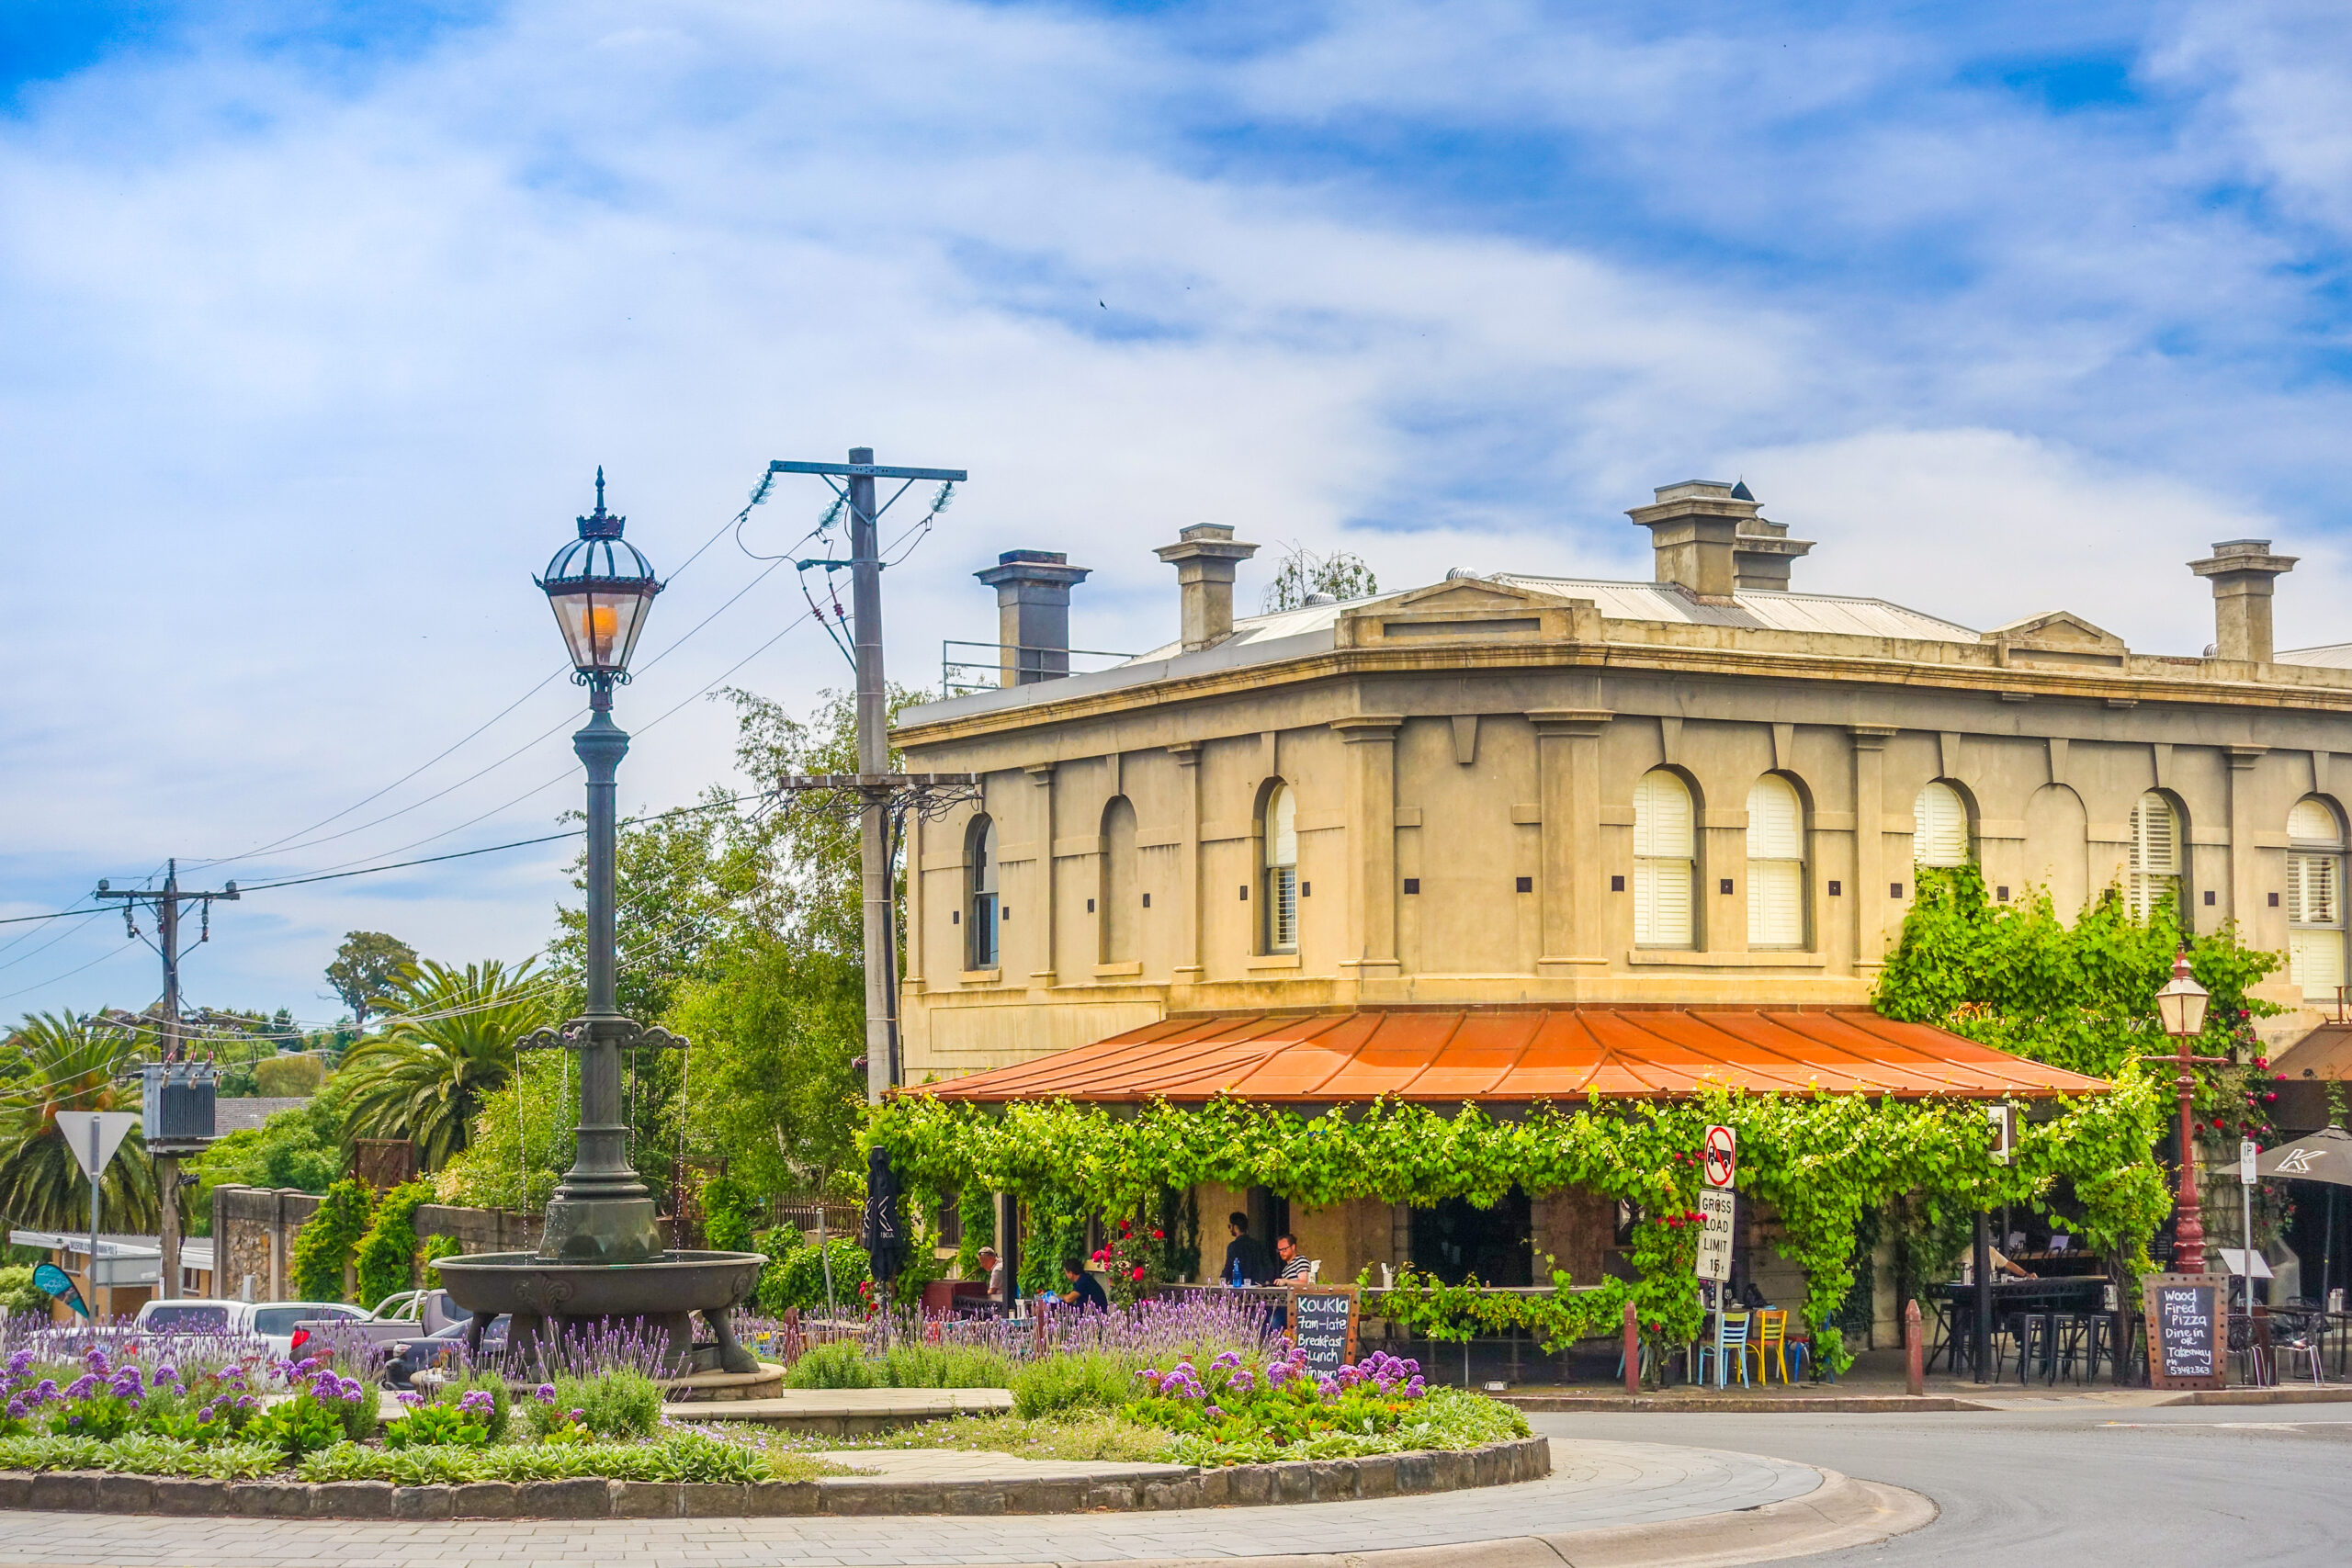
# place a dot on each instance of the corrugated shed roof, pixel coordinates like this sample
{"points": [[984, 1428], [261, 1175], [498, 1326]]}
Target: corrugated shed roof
{"points": [[1759, 611], [2334, 656], [1515, 1057]]}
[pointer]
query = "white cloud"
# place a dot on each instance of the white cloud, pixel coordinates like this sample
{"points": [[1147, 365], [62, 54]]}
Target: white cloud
{"points": [[304, 376]]}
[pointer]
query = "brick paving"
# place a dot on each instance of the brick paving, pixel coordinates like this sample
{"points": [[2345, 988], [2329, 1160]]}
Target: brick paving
{"points": [[1594, 1482]]}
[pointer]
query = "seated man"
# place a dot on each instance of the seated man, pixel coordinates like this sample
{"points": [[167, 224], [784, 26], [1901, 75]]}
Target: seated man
{"points": [[992, 1269], [1294, 1268], [1083, 1288]]}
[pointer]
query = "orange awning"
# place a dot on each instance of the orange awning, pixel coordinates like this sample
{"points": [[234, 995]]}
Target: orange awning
{"points": [[1511, 1057]]}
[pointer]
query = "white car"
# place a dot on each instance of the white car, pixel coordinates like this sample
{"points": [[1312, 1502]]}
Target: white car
{"points": [[271, 1324]]}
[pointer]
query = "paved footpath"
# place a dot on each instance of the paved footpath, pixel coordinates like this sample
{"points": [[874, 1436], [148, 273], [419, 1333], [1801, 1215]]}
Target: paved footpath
{"points": [[1595, 1482]]}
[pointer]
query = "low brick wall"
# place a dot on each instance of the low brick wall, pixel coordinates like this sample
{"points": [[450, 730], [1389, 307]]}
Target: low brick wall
{"points": [[253, 1230], [1248, 1485]]}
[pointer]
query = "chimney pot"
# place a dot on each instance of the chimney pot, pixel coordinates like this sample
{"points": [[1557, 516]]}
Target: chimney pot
{"points": [[1694, 529], [1032, 612], [2243, 571], [1204, 556]]}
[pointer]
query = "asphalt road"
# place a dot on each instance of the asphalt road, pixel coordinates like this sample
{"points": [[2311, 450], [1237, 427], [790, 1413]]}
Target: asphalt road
{"points": [[2067, 1487]]}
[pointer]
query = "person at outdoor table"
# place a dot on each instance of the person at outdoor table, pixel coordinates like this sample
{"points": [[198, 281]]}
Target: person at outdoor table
{"points": [[1295, 1268], [1085, 1290], [1244, 1260], [2001, 1265], [995, 1267]]}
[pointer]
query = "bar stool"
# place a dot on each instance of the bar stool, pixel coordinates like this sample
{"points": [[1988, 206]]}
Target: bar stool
{"points": [[2034, 1346]]}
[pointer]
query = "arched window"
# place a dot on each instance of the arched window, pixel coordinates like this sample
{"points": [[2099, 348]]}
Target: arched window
{"points": [[1938, 826], [2316, 899], [2156, 857], [979, 915], [1122, 910], [1665, 865], [1775, 864], [1279, 833]]}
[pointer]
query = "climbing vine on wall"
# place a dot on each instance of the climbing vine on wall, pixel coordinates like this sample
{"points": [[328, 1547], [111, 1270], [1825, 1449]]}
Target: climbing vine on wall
{"points": [[1823, 1161], [323, 1246]]}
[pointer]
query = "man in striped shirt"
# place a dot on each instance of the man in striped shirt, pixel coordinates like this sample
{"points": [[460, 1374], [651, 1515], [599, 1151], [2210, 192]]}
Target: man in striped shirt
{"points": [[1295, 1268]]}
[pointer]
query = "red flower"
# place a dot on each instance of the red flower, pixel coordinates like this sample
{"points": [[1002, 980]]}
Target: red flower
{"points": [[1138, 1274], [1103, 1255], [2261, 1061], [1160, 1235]]}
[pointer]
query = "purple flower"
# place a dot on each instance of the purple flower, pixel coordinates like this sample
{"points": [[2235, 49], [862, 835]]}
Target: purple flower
{"points": [[83, 1386], [1214, 1413], [15, 1410], [547, 1393], [166, 1374], [95, 1360], [576, 1416], [45, 1391]]}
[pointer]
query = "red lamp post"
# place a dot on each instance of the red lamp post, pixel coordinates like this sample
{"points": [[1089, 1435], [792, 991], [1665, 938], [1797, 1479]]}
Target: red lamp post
{"points": [[2181, 1004]]}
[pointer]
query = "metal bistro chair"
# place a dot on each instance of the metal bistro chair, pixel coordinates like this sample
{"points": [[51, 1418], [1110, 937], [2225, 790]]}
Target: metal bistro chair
{"points": [[1772, 1344], [2254, 1368], [2295, 1339], [1728, 1349], [2035, 1348]]}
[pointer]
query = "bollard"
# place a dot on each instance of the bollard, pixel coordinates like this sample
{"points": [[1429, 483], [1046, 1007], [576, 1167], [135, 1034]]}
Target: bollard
{"points": [[1915, 1374], [1633, 1350]]}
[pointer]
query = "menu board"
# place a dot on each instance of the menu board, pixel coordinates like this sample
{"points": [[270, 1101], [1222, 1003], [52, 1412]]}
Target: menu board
{"points": [[1323, 1321], [2187, 1344]]}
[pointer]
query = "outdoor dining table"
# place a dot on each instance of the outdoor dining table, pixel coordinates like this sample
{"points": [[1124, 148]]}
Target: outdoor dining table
{"points": [[2078, 1292]]}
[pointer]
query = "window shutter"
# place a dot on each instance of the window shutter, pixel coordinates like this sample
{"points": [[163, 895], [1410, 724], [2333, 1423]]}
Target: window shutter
{"points": [[1662, 816], [1775, 821], [1775, 903], [2312, 823], [2316, 960], [1661, 902], [1938, 828]]}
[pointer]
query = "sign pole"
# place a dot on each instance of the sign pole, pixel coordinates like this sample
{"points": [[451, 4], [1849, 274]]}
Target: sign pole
{"points": [[2248, 1155], [97, 1169], [1981, 1337]]}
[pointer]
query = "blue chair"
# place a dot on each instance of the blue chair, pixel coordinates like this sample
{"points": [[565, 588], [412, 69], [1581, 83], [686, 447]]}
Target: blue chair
{"points": [[1728, 1349]]}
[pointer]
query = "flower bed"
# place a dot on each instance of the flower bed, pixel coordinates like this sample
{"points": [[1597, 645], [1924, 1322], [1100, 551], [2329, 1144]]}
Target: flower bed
{"points": [[207, 1407]]}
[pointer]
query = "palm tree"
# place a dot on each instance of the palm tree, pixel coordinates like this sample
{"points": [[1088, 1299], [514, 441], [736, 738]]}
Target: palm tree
{"points": [[447, 1045], [68, 1062]]}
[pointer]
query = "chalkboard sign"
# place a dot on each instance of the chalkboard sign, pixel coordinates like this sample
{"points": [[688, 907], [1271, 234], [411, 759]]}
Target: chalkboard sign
{"points": [[1323, 1321], [2188, 1326]]}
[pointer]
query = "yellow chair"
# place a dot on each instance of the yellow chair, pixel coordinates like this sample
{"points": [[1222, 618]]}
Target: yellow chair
{"points": [[1770, 1344]]}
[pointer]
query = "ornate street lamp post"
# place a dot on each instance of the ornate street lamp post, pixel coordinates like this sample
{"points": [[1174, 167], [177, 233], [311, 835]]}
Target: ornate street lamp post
{"points": [[601, 589], [2181, 1004]]}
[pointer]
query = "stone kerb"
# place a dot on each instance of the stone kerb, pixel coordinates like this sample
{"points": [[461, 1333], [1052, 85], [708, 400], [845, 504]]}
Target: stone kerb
{"points": [[1163, 1487]]}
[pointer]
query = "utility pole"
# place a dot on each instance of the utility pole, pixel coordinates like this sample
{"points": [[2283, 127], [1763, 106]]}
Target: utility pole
{"points": [[166, 1154], [876, 788]]}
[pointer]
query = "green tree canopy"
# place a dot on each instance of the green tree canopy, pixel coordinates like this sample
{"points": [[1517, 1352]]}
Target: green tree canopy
{"points": [[1302, 572], [69, 1062], [365, 967], [449, 1042]]}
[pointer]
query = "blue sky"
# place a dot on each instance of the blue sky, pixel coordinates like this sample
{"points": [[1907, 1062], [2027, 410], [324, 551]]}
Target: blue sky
{"points": [[314, 321]]}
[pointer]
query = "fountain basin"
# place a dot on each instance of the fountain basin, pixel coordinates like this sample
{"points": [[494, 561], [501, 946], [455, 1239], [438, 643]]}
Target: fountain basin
{"points": [[658, 1296]]}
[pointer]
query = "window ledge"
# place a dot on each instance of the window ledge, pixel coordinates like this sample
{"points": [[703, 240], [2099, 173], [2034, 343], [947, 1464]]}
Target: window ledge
{"points": [[1274, 960], [981, 976], [1693, 958], [1118, 971]]}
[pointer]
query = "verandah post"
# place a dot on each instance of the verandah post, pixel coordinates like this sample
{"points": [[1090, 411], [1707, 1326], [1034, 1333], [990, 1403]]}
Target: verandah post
{"points": [[1915, 1374], [1632, 1350]]}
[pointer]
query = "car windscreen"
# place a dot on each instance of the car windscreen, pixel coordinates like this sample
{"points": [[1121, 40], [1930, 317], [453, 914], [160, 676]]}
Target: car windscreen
{"points": [[166, 1318], [281, 1320]]}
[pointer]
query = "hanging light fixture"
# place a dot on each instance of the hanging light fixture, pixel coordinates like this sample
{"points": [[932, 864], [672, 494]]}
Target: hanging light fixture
{"points": [[600, 588]]}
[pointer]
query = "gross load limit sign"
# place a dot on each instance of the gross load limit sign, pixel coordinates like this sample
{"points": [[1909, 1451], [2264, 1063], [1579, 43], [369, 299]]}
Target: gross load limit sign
{"points": [[1722, 1151]]}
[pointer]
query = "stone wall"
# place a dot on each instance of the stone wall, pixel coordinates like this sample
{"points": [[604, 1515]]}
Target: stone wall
{"points": [[253, 1230]]}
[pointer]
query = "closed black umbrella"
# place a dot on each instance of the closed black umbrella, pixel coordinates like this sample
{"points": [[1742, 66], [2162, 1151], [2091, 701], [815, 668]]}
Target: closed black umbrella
{"points": [[884, 1238]]}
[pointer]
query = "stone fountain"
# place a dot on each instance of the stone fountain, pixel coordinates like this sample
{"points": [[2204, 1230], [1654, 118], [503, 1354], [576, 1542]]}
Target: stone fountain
{"points": [[601, 1263]]}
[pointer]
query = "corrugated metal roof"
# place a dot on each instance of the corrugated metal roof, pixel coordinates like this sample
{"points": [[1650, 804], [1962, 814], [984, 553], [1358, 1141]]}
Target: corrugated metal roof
{"points": [[2334, 656], [1759, 611], [1509, 1057], [1762, 611]]}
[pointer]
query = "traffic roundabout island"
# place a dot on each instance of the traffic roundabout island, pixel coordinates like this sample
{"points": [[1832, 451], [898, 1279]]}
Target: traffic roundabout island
{"points": [[984, 1489]]}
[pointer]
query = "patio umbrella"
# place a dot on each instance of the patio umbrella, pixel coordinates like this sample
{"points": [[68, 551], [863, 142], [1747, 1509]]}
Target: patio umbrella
{"points": [[2325, 1155]]}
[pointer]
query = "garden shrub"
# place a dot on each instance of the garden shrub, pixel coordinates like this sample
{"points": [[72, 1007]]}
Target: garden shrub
{"points": [[385, 1259], [843, 1364], [288, 1076], [19, 1296], [619, 1402], [796, 1279], [728, 1210], [435, 1247], [1081, 1380], [946, 1366], [323, 1246]]}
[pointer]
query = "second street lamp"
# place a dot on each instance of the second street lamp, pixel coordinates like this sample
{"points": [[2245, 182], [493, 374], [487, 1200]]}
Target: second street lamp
{"points": [[2181, 1005], [601, 588]]}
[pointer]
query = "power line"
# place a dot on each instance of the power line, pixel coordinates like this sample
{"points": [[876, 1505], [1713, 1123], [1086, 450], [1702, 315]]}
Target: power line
{"points": [[101, 958], [55, 915]]}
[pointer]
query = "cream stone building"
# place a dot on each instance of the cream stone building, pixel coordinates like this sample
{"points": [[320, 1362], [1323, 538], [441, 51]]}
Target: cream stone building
{"points": [[1708, 790]]}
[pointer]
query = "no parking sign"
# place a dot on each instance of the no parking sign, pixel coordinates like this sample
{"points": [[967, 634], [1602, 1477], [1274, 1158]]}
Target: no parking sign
{"points": [[1721, 1151]]}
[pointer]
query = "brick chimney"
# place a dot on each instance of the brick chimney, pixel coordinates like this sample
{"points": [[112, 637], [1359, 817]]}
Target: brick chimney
{"points": [[1762, 552], [1204, 555], [1033, 613], [1695, 527], [2242, 571]]}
